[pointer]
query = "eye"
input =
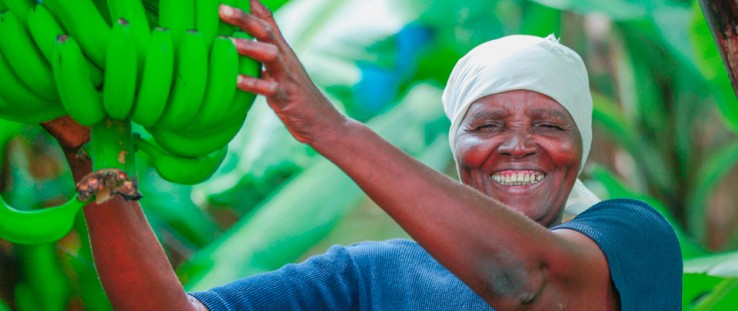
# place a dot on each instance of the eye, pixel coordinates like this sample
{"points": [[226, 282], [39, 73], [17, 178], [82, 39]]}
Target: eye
{"points": [[486, 127], [549, 126]]}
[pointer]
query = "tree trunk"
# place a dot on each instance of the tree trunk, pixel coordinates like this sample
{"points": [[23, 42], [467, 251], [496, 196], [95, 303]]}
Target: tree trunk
{"points": [[722, 16]]}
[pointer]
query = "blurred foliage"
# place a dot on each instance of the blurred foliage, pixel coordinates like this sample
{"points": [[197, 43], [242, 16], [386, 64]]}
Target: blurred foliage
{"points": [[665, 120]]}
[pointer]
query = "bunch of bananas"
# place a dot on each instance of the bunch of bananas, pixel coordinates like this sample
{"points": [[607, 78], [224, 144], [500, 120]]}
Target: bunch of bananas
{"points": [[168, 65]]}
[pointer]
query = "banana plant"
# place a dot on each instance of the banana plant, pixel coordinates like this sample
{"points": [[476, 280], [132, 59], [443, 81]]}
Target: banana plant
{"points": [[109, 68], [352, 55], [87, 59]]}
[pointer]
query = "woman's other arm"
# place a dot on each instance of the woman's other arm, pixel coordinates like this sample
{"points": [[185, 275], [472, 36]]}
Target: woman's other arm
{"points": [[133, 268]]}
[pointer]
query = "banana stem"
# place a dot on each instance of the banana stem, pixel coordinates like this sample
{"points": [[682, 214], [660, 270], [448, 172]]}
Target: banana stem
{"points": [[113, 162], [112, 146]]}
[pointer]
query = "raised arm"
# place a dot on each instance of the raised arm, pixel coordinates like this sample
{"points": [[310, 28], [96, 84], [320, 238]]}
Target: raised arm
{"points": [[508, 259], [133, 268]]}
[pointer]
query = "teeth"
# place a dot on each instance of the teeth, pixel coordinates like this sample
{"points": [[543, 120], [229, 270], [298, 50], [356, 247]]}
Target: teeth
{"points": [[518, 178]]}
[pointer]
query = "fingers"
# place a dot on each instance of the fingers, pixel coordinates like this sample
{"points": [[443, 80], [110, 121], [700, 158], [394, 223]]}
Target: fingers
{"points": [[255, 26], [262, 52], [257, 86], [258, 9]]}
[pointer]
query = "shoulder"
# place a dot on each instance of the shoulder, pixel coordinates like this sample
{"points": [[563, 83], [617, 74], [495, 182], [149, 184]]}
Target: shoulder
{"points": [[390, 247], [395, 258], [641, 248], [395, 252], [625, 218]]}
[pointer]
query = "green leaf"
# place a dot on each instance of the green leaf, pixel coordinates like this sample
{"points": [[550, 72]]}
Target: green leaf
{"points": [[697, 286], [609, 118], [723, 264], [724, 297], [540, 20], [172, 205], [617, 189], [47, 283], [308, 207], [615, 9], [707, 177]]}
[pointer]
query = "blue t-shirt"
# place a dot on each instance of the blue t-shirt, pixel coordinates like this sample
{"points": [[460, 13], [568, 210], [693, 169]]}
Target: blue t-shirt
{"points": [[641, 248]]}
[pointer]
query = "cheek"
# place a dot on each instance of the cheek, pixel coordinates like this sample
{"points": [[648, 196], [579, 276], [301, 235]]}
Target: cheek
{"points": [[565, 152], [472, 151]]}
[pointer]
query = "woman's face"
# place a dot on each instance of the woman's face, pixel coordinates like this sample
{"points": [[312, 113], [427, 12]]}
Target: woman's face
{"points": [[522, 148]]}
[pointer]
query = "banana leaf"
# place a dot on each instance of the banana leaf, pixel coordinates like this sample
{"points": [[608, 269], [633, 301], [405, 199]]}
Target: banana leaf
{"points": [[305, 210], [723, 298], [696, 286], [615, 188], [43, 277], [540, 20], [614, 9], [171, 207], [608, 117], [708, 175], [711, 282]]}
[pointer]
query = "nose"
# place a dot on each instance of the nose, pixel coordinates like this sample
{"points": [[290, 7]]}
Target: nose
{"points": [[518, 144]]}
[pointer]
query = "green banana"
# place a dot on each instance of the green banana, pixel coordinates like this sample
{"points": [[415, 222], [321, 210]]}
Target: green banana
{"points": [[3, 8], [194, 144], [8, 130], [207, 19], [156, 80], [19, 104], [178, 16], [84, 22], [121, 71], [25, 59], [56, 10], [133, 11], [199, 139], [44, 30], [215, 109], [222, 80], [78, 94], [189, 84], [37, 226], [20, 8], [11, 112], [183, 170]]}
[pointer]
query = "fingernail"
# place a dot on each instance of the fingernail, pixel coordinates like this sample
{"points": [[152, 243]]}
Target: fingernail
{"points": [[272, 87], [226, 10]]}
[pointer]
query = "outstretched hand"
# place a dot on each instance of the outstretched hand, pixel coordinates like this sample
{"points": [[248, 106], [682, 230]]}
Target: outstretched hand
{"points": [[290, 92]]}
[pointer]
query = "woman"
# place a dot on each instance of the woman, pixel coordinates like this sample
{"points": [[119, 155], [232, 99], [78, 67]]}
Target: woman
{"points": [[521, 123]]}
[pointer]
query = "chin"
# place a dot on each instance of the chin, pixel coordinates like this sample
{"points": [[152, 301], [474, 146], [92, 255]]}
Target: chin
{"points": [[545, 218]]}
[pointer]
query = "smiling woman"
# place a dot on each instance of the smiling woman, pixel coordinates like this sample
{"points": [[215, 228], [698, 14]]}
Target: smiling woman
{"points": [[522, 148], [521, 110]]}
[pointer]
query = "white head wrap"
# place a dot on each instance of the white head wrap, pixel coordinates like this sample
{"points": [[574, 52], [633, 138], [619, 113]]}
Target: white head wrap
{"points": [[522, 62]]}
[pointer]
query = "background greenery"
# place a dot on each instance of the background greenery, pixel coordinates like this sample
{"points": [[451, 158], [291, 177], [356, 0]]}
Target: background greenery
{"points": [[665, 123]]}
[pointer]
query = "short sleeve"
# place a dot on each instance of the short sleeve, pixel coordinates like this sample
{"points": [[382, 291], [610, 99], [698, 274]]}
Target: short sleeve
{"points": [[324, 282], [642, 252]]}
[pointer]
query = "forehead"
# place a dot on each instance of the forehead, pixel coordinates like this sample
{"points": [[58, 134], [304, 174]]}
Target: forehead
{"points": [[530, 102]]}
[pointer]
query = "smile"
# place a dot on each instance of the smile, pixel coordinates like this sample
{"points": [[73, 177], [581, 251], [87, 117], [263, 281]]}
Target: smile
{"points": [[518, 178]]}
